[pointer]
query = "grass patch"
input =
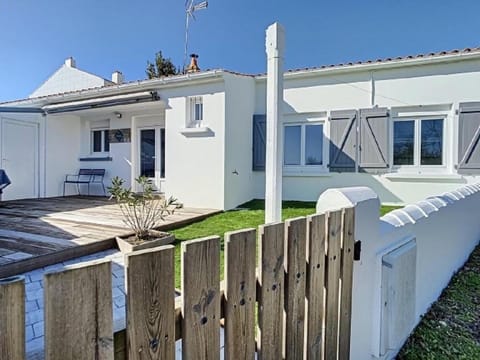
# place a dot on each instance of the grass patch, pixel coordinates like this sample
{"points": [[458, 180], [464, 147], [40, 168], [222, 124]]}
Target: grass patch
{"points": [[248, 215], [451, 328]]}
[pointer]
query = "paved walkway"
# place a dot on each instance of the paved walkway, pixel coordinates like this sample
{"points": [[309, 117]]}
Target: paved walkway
{"points": [[34, 310], [34, 307]]}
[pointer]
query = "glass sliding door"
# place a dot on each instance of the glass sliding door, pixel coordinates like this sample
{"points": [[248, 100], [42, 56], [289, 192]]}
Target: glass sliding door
{"points": [[147, 153], [151, 160]]}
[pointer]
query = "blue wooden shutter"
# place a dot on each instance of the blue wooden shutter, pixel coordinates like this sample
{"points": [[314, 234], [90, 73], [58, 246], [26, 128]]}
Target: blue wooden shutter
{"points": [[343, 140], [259, 142], [469, 138], [373, 140]]}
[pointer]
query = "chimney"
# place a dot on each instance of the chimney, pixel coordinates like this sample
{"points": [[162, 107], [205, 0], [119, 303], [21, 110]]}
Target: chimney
{"points": [[117, 77], [70, 62], [193, 67]]}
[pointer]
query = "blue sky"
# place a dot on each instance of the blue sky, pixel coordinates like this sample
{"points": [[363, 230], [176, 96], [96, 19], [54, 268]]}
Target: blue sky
{"points": [[105, 35]]}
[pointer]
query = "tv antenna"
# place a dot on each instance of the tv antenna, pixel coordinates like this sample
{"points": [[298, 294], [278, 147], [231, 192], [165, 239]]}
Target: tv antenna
{"points": [[190, 7]]}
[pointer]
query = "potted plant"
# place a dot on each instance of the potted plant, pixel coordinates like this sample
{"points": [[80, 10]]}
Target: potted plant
{"points": [[142, 212]]}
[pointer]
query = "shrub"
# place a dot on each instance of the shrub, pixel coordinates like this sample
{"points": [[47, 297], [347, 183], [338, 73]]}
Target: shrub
{"points": [[141, 211]]}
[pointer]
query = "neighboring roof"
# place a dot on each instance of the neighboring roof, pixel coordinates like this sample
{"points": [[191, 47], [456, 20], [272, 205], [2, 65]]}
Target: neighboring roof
{"points": [[409, 60], [68, 78]]}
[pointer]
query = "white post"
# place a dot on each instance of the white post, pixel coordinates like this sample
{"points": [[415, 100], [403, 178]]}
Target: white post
{"points": [[274, 45]]}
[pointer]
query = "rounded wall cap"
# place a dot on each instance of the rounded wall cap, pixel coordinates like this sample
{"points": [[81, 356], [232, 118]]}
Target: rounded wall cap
{"points": [[334, 199]]}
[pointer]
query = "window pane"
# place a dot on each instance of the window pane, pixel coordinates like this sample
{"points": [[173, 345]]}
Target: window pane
{"points": [[97, 141], [403, 142], [292, 145], [432, 142], [313, 144], [162, 153], [107, 141], [197, 109]]}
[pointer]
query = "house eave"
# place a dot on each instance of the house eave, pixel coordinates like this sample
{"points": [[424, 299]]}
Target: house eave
{"points": [[376, 66], [140, 85]]}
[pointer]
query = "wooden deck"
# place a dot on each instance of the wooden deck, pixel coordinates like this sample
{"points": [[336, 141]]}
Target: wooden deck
{"points": [[39, 232]]}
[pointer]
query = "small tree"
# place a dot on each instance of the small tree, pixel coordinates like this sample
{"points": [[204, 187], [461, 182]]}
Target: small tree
{"points": [[141, 212], [160, 67]]}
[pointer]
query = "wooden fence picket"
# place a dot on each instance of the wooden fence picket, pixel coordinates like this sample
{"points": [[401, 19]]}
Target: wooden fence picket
{"points": [[201, 299], [300, 290], [12, 318], [271, 297], [348, 243], [240, 294], [316, 235], [333, 284], [295, 265], [150, 281], [78, 312]]}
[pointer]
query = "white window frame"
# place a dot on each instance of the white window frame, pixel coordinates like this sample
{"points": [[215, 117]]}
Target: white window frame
{"points": [[417, 168], [303, 167], [102, 141], [192, 121]]}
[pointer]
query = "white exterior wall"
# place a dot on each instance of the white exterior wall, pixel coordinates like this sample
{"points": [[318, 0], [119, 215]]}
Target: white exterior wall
{"points": [[121, 153], [239, 106], [119, 164], [434, 89], [428, 84], [194, 162], [390, 189], [61, 152], [445, 229]]}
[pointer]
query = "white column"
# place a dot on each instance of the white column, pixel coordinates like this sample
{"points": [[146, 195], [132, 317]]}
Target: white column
{"points": [[274, 45]]}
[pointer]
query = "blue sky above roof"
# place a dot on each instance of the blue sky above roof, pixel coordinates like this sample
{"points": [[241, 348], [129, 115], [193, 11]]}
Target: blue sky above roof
{"points": [[103, 36]]}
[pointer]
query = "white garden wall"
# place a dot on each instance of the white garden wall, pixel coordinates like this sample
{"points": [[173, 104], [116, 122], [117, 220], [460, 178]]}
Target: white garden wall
{"points": [[442, 230]]}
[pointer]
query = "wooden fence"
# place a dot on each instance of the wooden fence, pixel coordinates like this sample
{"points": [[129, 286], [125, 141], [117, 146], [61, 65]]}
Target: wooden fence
{"points": [[296, 304]]}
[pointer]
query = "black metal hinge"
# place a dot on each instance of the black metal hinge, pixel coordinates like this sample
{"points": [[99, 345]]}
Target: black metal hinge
{"points": [[357, 249]]}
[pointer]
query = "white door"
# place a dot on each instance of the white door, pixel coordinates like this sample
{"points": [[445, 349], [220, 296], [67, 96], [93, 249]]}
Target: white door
{"points": [[19, 149], [151, 152]]}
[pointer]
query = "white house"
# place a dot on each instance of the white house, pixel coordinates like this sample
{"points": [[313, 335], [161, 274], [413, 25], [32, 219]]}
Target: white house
{"points": [[406, 127]]}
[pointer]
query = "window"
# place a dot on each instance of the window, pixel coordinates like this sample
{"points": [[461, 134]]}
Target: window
{"points": [[303, 145], [100, 141], [418, 142], [195, 116]]}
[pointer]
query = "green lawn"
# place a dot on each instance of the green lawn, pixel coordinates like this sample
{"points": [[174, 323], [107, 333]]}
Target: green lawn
{"points": [[251, 215], [451, 328]]}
